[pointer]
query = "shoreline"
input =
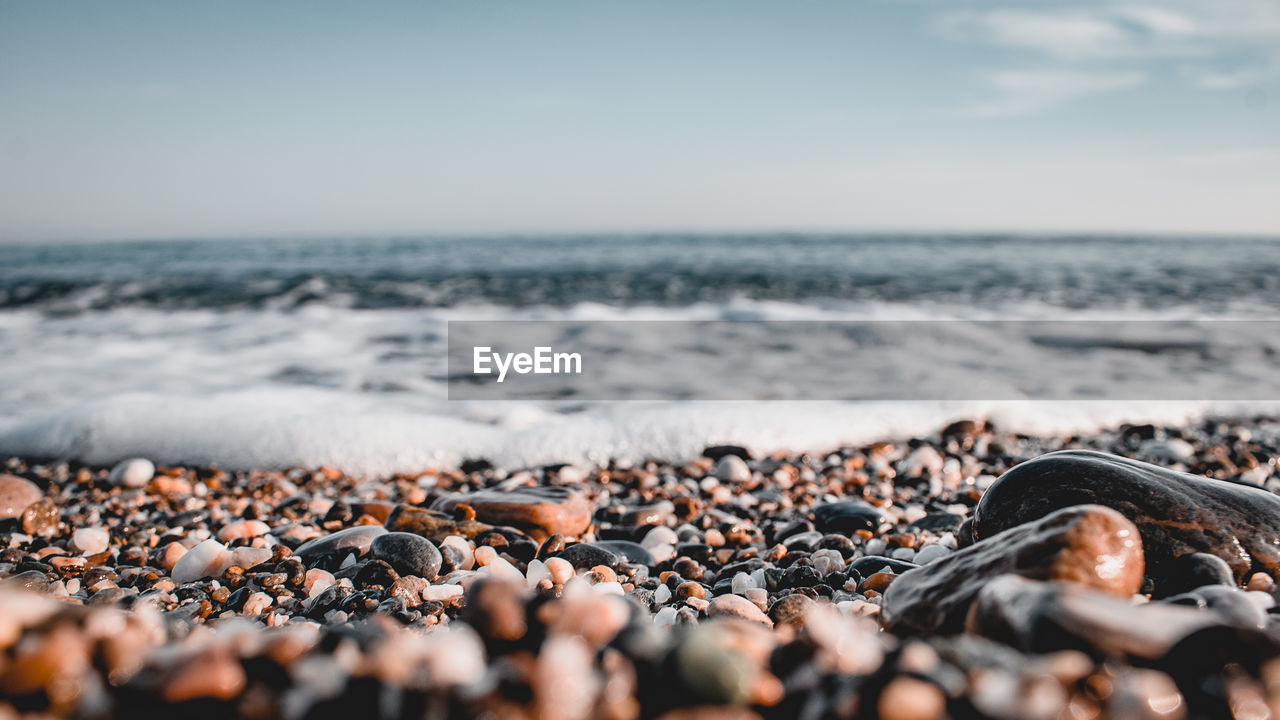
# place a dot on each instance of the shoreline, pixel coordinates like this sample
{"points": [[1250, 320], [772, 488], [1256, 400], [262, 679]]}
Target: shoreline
{"points": [[751, 585]]}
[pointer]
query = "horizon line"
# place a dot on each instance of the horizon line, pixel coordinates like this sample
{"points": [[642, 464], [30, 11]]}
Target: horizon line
{"points": [[535, 235]]}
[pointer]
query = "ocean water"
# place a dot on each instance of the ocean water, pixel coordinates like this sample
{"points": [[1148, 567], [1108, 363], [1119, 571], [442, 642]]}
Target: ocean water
{"points": [[274, 353]]}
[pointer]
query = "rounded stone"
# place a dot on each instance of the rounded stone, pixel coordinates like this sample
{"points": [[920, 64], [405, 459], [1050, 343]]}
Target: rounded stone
{"points": [[731, 469], [930, 553], [539, 511], [208, 559], [848, 517], [355, 539], [90, 541], [1088, 545], [632, 552], [408, 554], [132, 473], [738, 607], [790, 610], [15, 495], [41, 518], [909, 698], [588, 555]]}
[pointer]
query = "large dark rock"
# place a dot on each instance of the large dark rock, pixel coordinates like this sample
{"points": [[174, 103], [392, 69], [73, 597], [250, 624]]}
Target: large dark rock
{"points": [[1090, 545], [1178, 514]]}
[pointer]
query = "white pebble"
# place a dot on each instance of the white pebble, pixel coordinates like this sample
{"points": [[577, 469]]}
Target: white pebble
{"points": [[537, 573], [90, 541], [662, 595], [930, 553], [496, 566], [207, 559], [903, 553], [247, 557], [244, 529], [609, 588], [741, 583], [661, 543], [876, 546], [664, 618], [441, 593], [464, 547], [732, 468], [133, 473], [561, 570], [316, 581], [257, 604], [825, 561]]}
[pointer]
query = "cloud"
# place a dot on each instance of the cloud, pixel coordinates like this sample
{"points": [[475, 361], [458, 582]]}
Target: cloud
{"points": [[1068, 34], [1105, 45], [1237, 77], [1023, 92]]}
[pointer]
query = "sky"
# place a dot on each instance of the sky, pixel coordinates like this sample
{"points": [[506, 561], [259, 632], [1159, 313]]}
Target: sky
{"points": [[182, 119]]}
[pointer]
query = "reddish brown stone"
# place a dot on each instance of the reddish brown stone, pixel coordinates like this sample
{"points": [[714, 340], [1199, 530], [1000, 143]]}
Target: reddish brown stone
{"points": [[1090, 545], [540, 511]]}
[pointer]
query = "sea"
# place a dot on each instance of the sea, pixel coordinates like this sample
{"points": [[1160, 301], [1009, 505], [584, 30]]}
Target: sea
{"points": [[272, 353]]}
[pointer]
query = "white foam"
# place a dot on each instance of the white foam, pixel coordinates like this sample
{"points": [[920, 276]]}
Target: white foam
{"points": [[363, 390]]}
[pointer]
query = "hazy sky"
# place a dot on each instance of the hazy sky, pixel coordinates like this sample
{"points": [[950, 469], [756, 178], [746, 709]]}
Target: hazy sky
{"points": [[152, 119]]}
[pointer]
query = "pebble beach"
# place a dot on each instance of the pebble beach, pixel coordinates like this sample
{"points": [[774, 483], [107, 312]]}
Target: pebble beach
{"points": [[971, 573]]}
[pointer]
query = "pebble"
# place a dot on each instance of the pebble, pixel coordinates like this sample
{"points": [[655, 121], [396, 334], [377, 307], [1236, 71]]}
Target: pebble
{"points": [[587, 555], [16, 494], [316, 581], [248, 557], [561, 570], [539, 511], [41, 518], [168, 556], [738, 607], [442, 593], [433, 525], [243, 530], [90, 541], [209, 559], [132, 473], [929, 553], [731, 469], [409, 554], [790, 610], [257, 604], [496, 566], [848, 517], [909, 698], [356, 539]]}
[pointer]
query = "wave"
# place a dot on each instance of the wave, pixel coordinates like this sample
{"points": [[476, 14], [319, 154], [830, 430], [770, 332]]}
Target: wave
{"points": [[310, 428], [669, 271]]}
